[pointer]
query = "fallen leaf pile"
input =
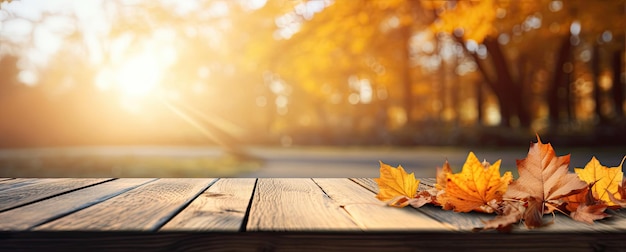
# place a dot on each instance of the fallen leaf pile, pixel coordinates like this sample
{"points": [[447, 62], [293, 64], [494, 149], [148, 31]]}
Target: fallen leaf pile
{"points": [[544, 186]]}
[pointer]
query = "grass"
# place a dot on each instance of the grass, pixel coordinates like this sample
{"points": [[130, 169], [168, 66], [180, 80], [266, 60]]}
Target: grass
{"points": [[124, 166]]}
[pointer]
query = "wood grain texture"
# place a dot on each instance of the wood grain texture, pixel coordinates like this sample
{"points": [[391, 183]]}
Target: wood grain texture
{"points": [[562, 223], [41, 189], [144, 208], [29, 216], [367, 183], [309, 241], [372, 214], [19, 182], [277, 205], [5, 179], [295, 204], [222, 207]]}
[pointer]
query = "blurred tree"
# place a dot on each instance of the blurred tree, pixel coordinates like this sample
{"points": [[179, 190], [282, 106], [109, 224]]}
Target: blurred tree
{"points": [[502, 37], [335, 68], [351, 53], [617, 65]]}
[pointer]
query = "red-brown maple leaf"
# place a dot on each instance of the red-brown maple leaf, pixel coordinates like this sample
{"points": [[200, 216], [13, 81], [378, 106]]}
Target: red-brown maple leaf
{"points": [[544, 179], [510, 213], [588, 208]]}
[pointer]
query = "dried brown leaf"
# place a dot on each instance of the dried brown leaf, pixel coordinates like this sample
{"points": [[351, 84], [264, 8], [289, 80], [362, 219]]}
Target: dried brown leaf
{"points": [[588, 214], [543, 180], [510, 214]]}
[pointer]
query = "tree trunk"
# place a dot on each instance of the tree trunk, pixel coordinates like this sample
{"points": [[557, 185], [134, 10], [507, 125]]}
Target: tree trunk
{"points": [[407, 83], [525, 95], [559, 81], [509, 92], [598, 94], [443, 88], [505, 110], [455, 89], [618, 86], [479, 102]]}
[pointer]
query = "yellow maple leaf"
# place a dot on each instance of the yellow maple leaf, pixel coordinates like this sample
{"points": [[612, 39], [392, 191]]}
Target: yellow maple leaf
{"points": [[606, 179], [477, 187], [395, 186]]}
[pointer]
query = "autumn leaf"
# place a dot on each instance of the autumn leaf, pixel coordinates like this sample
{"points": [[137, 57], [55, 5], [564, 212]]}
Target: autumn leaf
{"points": [[510, 214], [544, 180], [585, 207], [478, 187], [589, 213], [440, 186], [396, 187], [621, 190], [575, 200], [607, 180]]}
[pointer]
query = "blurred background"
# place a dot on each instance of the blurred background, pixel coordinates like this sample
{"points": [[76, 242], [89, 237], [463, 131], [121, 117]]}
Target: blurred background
{"points": [[297, 88]]}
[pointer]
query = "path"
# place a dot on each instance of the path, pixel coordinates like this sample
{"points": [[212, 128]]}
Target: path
{"points": [[335, 161]]}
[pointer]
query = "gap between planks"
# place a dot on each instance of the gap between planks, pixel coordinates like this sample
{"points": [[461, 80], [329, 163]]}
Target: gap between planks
{"points": [[31, 191], [295, 204], [38, 213], [145, 208], [371, 214], [221, 207]]}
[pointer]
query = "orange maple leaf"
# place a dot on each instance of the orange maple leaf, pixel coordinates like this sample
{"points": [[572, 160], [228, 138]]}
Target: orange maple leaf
{"points": [[544, 180], [584, 207], [396, 187], [478, 187], [606, 180]]}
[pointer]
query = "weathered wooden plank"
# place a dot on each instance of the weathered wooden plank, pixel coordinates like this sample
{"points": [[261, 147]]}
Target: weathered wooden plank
{"points": [[29, 216], [560, 223], [5, 179], [222, 207], [144, 208], [41, 189], [366, 183], [617, 220], [310, 241], [295, 204], [370, 213], [19, 182]]}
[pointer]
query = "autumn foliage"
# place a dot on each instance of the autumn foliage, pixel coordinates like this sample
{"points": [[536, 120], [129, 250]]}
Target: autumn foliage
{"points": [[544, 186]]}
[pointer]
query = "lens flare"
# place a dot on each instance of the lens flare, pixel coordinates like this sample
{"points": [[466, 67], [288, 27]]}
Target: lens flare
{"points": [[138, 76]]}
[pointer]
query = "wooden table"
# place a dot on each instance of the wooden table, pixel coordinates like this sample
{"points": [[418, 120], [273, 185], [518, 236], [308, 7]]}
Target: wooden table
{"points": [[258, 214]]}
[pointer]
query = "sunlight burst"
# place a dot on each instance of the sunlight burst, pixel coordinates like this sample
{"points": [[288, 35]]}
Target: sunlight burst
{"points": [[138, 74]]}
